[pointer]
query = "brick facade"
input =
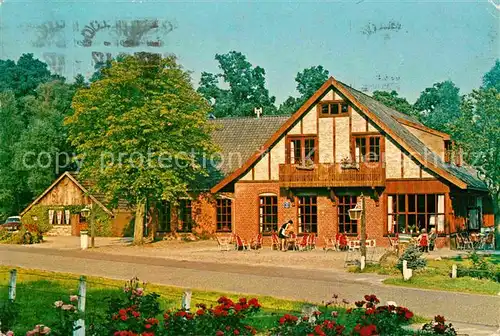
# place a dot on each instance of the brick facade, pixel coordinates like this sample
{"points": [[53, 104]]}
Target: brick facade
{"points": [[245, 210]]}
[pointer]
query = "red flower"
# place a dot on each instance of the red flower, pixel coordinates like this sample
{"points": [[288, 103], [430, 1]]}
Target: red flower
{"points": [[136, 314], [200, 312], [122, 312], [254, 303], [408, 315], [124, 317], [439, 319], [319, 331], [219, 333], [236, 332], [282, 320], [148, 326]]}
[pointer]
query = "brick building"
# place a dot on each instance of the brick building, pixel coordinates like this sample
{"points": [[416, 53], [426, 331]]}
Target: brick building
{"points": [[312, 166]]}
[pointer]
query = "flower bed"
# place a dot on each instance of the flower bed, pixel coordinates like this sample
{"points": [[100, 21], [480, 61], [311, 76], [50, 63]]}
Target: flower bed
{"points": [[137, 313]]}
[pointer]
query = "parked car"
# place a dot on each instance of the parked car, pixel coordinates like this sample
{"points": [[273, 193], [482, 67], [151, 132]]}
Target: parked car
{"points": [[12, 223]]}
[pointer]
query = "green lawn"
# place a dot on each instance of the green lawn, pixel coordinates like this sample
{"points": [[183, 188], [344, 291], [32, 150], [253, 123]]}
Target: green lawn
{"points": [[437, 276], [38, 290]]}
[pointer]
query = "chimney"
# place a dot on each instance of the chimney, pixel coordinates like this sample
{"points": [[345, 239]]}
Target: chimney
{"points": [[458, 156], [257, 111]]}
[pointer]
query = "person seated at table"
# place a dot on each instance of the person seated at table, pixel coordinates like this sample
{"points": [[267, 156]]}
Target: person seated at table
{"points": [[343, 242], [282, 234], [432, 239], [423, 241]]}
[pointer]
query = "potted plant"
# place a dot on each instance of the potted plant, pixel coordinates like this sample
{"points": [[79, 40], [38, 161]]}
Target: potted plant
{"points": [[307, 164], [347, 163]]}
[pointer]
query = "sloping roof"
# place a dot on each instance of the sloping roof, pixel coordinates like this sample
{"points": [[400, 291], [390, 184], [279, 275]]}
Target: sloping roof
{"points": [[384, 117], [389, 117], [77, 183], [87, 184], [239, 138]]}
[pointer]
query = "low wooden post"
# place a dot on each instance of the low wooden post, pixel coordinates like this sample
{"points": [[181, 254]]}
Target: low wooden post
{"points": [[363, 262], [186, 300], [453, 271], [82, 294], [12, 285]]}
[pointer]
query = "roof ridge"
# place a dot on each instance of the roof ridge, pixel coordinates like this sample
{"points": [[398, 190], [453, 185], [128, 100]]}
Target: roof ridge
{"points": [[409, 117], [273, 116]]}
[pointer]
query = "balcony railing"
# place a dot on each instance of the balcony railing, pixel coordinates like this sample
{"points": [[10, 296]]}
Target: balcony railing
{"points": [[332, 175]]}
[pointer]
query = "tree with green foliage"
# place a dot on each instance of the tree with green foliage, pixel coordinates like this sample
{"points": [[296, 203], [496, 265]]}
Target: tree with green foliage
{"points": [[11, 125], [24, 76], [439, 105], [246, 87], [392, 100], [308, 81], [43, 152], [142, 131], [477, 131], [492, 78]]}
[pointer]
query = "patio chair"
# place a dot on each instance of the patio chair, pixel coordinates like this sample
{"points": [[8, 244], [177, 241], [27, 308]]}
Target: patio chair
{"points": [[312, 241], [224, 243], [292, 242], [241, 245], [304, 243], [460, 242], [351, 257], [275, 243], [330, 245], [467, 242], [256, 242], [488, 241], [353, 245]]}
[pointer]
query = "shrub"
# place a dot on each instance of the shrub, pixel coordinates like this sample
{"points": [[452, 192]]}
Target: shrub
{"points": [[413, 256], [133, 311], [365, 320], [481, 268], [438, 327], [68, 315]]}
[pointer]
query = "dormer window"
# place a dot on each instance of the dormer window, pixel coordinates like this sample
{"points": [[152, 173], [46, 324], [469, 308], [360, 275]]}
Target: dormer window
{"points": [[334, 108]]}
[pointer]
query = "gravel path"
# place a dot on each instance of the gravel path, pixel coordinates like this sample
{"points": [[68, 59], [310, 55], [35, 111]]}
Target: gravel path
{"points": [[476, 311]]}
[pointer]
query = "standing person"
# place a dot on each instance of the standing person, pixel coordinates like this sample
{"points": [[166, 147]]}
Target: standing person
{"points": [[423, 241], [282, 234], [432, 239]]}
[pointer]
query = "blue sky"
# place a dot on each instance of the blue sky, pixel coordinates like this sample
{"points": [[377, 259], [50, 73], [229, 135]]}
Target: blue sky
{"points": [[430, 41]]}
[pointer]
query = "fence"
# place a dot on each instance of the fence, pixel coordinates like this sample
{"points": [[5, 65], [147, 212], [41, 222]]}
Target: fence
{"points": [[81, 285]]}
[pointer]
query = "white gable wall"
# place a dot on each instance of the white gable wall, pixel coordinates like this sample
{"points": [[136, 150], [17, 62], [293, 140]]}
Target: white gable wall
{"points": [[334, 142]]}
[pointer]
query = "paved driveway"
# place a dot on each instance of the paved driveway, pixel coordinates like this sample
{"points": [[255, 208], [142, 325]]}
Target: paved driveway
{"points": [[282, 282]]}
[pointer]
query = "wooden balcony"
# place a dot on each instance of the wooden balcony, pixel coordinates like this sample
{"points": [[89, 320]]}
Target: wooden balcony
{"points": [[332, 175]]}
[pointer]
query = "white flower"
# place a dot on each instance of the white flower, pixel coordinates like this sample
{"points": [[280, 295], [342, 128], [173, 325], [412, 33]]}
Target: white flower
{"points": [[73, 298], [58, 304], [68, 307]]}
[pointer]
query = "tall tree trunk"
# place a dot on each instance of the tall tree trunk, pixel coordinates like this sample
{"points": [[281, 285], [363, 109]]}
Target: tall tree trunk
{"points": [[139, 221]]}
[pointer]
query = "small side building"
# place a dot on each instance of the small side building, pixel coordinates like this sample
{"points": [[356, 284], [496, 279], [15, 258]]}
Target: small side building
{"points": [[59, 207]]}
